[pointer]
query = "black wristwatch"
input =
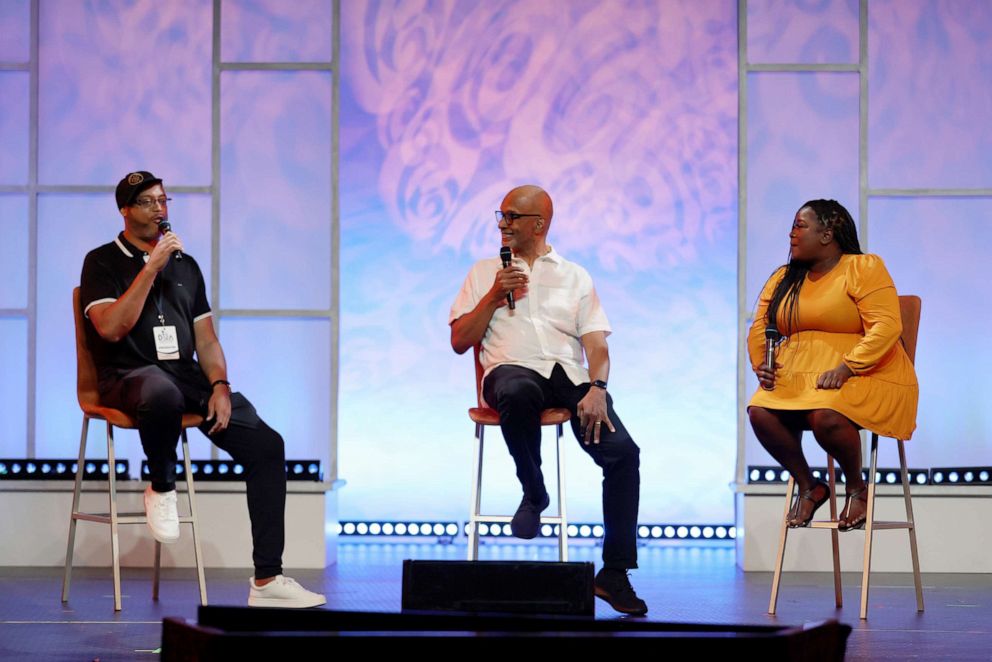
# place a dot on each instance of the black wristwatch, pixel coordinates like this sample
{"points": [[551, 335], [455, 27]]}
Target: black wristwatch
{"points": [[599, 383]]}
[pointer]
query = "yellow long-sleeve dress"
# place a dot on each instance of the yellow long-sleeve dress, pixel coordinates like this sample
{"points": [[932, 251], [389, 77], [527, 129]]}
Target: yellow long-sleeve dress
{"points": [[850, 314]]}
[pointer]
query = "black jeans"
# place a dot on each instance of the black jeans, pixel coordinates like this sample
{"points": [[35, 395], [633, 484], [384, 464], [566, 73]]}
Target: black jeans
{"points": [[519, 394], [152, 396]]}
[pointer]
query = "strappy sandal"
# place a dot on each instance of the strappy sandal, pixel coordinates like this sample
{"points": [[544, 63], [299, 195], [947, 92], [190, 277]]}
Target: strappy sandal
{"points": [[843, 524], [794, 521]]}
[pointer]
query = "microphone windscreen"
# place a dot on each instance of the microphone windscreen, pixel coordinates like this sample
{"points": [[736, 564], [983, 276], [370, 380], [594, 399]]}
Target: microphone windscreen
{"points": [[771, 332], [164, 226]]}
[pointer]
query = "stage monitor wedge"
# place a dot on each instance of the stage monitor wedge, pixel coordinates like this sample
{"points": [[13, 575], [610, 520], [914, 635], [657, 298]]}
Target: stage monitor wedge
{"points": [[514, 587]]}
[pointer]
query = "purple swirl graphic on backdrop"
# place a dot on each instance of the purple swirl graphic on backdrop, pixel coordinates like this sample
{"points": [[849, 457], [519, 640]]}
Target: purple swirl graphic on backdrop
{"points": [[601, 104]]}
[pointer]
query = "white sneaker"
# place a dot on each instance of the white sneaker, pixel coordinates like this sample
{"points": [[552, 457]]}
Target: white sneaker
{"points": [[163, 517], [283, 592]]}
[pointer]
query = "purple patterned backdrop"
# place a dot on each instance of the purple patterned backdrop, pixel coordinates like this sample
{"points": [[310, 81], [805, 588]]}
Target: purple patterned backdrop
{"points": [[625, 111], [626, 114]]}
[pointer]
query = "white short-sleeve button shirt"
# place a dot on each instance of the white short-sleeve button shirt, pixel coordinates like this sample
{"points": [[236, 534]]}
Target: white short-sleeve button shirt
{"points": [[558, 306]]}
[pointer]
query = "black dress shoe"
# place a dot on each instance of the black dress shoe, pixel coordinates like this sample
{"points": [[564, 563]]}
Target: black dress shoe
{"points": [[527, 520], [613, 585]]}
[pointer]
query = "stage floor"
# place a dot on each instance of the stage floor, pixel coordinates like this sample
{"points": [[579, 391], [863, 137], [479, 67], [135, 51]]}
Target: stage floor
{"points": [[698, 584]]}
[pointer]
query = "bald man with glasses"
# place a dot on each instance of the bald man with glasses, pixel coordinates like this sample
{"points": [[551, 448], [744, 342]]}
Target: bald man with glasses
{"points": [[532, 356]]}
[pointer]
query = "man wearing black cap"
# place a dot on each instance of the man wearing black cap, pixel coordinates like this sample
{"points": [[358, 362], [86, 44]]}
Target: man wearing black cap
{"points": [[149, 314]]}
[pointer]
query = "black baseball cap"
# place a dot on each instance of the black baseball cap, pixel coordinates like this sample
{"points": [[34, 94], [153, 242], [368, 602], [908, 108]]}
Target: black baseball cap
{"points": [[133, 184]]}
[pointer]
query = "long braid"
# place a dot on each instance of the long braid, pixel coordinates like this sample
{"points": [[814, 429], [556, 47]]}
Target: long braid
{"points": [[832, 216]]}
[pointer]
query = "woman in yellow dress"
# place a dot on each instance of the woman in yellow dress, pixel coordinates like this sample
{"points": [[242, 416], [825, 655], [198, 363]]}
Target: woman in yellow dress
{"points": [[839, 366]]}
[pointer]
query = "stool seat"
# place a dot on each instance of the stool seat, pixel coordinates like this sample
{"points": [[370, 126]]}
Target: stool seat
{"points": [[487, 416], [119, 419]]}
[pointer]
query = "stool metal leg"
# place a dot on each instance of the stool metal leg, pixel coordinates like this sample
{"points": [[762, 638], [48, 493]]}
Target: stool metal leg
{"points": [[71, 545], [191, 493], [115, 545], [473, 525], [869, 527], [834, 535], [783, 536], [156, 570], [912, 525], [563, 526]]}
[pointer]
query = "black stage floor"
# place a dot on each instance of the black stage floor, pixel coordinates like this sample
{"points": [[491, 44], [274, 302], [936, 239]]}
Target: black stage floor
{"points": [[681, 584]]}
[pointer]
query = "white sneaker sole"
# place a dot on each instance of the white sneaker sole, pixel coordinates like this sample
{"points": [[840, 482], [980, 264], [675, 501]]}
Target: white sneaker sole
{"points": [[283, 603], [165, 540]]}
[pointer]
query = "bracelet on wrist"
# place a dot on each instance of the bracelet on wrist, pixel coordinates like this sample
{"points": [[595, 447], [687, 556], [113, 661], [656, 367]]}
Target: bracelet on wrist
{"points": [[220, 381]]}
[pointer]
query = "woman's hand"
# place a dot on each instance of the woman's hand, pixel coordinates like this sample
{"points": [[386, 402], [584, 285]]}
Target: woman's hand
{"points": [[834, 378], [766, 377]]}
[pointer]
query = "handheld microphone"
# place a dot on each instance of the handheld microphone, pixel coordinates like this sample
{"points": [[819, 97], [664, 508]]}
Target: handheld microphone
{"points": [[772, 337], [165, 226], [505, 255]]}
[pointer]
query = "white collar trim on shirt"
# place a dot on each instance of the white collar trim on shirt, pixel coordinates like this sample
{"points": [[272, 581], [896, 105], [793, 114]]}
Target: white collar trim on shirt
{"points": [[117, 240]]}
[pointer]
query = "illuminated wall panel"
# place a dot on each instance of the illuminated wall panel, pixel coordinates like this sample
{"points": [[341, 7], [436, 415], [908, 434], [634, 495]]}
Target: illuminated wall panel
{"points": [[802, 145], [936, 248], [275, 198], [788, 31], [930, 110], [14, 119], [13, 386], [13, 251], [276, 31], [124, 86], [281, 366], [65, 243], [15, 26]]}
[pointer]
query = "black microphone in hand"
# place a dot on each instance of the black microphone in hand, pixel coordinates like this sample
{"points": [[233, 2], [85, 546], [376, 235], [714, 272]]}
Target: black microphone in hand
{"points": [[771, 339], [506, 256], [164, 227]]}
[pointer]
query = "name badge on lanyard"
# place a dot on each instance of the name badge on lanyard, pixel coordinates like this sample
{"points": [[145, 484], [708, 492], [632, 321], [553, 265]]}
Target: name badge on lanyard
{"points": [[166, 343]]}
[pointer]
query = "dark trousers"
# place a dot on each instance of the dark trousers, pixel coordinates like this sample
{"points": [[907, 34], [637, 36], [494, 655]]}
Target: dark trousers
{"points": [[152, 396], [519, 394]]}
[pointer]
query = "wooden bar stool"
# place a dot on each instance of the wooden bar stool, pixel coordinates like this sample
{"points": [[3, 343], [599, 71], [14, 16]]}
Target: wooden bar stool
{"points": [[483, 416], [909, 308], [86, 391]]}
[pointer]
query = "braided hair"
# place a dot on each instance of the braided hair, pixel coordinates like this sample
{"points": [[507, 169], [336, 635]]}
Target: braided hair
{"points": [[832, 216]]}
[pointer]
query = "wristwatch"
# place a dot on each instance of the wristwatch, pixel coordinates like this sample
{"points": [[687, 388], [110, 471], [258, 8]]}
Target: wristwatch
{"points": [[599, 383]]}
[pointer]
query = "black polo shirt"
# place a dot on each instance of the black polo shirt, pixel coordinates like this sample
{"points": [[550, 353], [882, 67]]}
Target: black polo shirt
{"points": [[179, 295]]}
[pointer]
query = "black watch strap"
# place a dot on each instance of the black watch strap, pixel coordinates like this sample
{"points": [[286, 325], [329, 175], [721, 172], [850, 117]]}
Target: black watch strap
{"points": [[599, 383]]}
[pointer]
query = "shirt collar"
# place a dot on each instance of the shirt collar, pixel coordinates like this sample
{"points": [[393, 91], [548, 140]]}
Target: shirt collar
{"points": [[552, 256], [128, 248]]}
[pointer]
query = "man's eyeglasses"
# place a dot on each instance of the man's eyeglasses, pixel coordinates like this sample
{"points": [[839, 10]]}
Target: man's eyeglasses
{"points": [[149, 203], [512, 216]]}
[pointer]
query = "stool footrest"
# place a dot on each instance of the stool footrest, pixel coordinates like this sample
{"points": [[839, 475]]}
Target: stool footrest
{"points": [[506, 519], [104, 518], [123, 518]]}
